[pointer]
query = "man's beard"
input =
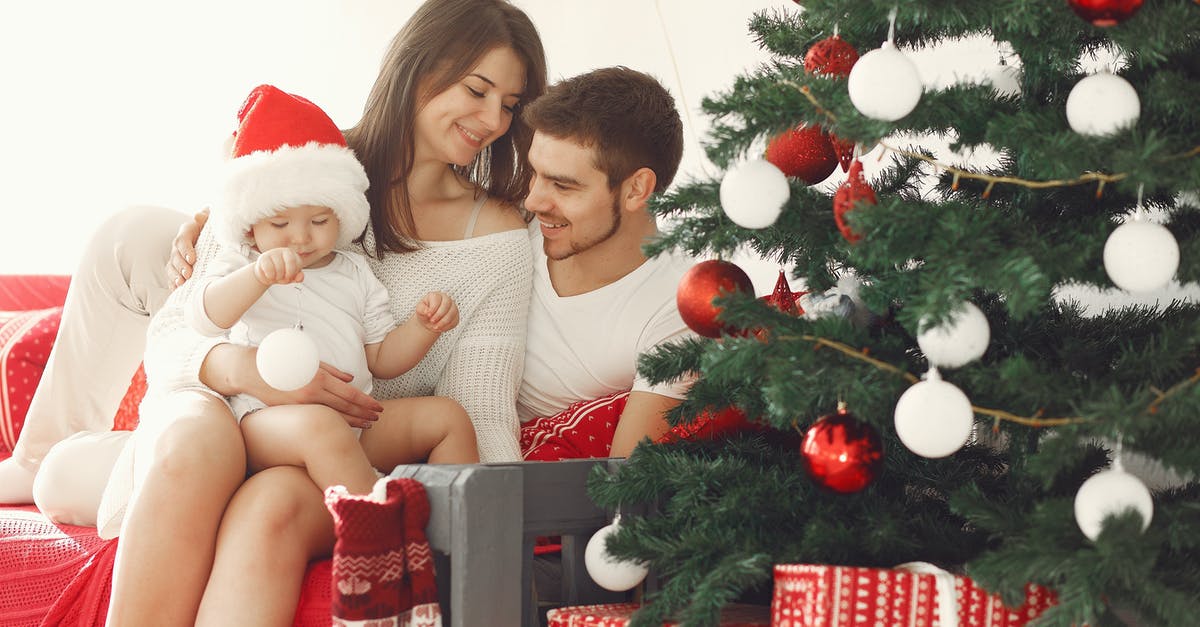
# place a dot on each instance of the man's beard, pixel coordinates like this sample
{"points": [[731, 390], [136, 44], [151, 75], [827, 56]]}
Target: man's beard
{"points": [[578, 247]]}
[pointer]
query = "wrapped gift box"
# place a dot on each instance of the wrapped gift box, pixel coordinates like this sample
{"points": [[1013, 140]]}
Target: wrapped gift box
{"points": [[617, 615], [810, 595]]}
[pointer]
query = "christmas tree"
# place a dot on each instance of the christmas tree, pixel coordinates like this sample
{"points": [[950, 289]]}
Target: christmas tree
{"points": [[986, 412]]}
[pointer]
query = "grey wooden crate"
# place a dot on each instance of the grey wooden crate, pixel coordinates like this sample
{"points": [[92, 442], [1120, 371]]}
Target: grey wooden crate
{"points": [[483, 521]]}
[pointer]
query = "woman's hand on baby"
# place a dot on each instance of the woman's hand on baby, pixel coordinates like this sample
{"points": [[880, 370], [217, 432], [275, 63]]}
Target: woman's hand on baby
{"points": [[437, 312], [279, 266], [331, 387], [183, 249]]}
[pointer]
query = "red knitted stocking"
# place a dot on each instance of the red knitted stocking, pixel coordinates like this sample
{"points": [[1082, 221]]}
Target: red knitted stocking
{"points": [[422, 585], [368, 558]]}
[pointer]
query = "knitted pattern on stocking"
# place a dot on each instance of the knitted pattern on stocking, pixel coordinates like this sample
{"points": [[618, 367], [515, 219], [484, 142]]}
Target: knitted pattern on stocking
{"points": [[382, 570]]}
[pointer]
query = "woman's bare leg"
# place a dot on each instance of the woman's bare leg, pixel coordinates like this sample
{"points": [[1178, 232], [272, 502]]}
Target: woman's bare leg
{"points": [[313, 437], [167, 544], [275, 524], [120, 282], [428, 428]]}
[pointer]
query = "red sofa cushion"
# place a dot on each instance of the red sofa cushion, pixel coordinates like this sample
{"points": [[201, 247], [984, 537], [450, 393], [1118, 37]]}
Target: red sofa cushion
{"points": [[25, 341]]}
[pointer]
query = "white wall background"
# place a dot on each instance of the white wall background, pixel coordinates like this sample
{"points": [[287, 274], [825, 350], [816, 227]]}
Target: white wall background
{"points": [[119, 102]]}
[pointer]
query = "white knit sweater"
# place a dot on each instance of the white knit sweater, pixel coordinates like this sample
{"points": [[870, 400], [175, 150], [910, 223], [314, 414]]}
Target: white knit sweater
{"points": [[478, 363]]}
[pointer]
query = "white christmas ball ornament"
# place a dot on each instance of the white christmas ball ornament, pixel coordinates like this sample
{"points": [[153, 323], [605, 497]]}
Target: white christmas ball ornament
{"points": [[961, 339], [1102, 104], [1141, 256], [606, 570], [287, 359], [1107, 493], [934, 418], [753, 193], [884, 84]]}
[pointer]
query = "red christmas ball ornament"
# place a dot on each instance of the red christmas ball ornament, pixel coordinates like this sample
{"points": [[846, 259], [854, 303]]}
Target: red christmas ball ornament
{"points": [[831, 56], [700, 285], [804, 152], [853, 190], [841, 452], [1105, 13]]}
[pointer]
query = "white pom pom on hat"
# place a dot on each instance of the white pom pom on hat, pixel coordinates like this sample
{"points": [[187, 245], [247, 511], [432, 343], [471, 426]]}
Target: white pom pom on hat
{"points": [[287, 152]]}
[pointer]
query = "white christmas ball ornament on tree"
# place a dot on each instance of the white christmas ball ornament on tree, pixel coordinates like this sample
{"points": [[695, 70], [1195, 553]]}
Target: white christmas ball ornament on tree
{"points": [[1141, 256], [753, 193], [287, 359], [961, 339], [1102, 104], [884, 84], [933, 417], [607, 571], [1107, 493]]}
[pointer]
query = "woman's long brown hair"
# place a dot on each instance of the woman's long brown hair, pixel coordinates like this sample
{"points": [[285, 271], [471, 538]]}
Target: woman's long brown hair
{"points": [[438, 46]]}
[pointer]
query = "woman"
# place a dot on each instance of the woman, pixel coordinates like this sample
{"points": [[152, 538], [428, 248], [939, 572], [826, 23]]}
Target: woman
{"points": [[444, 149]]}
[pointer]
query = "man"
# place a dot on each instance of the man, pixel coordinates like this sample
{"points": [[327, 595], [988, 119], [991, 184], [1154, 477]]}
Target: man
{"points": [[603, 143]]}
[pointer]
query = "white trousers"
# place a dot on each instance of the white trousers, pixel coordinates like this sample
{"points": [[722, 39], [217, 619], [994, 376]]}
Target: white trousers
{"points": [[120, 283]]}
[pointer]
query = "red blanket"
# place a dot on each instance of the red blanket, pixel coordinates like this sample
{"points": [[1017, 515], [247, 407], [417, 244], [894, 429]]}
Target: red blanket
{"points": [[62, 574]]}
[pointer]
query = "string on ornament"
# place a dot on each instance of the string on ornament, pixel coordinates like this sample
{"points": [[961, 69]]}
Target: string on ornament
{"points": [[687, 111]]}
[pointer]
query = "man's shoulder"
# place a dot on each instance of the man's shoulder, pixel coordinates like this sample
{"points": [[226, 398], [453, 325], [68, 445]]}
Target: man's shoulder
{"points": [[669, 266]]}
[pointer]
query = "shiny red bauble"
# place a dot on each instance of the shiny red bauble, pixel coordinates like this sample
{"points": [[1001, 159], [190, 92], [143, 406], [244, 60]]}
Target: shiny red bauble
{"points": [[853, 190], [1105, 13], [842, 453], [832, 56], [700, 285], [804, 152]]}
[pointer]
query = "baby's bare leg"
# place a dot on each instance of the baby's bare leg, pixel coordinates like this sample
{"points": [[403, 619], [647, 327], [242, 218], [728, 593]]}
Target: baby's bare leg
{"points": [[313, 437], [427, 428]]}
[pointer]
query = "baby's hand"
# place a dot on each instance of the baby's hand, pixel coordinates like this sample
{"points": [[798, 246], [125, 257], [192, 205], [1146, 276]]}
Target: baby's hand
{"points": [[437, 312], [278, 266]]}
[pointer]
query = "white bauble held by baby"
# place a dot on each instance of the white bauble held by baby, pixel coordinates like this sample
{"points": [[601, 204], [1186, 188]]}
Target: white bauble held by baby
{"points": [[287, 359], [607, 571]]}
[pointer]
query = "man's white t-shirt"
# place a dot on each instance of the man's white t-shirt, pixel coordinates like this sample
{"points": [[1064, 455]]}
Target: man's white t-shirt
{"points": [[587, 346]]}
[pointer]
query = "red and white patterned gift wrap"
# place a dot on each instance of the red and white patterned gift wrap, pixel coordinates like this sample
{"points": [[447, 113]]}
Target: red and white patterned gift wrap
{"points": [[810, 595], [617, 615]]}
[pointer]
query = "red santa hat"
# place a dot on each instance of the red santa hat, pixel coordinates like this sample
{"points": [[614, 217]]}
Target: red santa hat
{"points": [[287, 152]]}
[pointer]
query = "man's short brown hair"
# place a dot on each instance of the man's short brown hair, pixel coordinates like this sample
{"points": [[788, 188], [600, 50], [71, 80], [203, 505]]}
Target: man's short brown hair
{"points": [[627, 116]]}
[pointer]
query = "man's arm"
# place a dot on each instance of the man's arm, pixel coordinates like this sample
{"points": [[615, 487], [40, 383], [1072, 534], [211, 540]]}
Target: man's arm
{"points": [[644, 417]]}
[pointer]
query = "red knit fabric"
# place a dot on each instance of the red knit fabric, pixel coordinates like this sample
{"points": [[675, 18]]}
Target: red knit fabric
{"points": [[422, 582], [583, 430], [382, 564]]}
